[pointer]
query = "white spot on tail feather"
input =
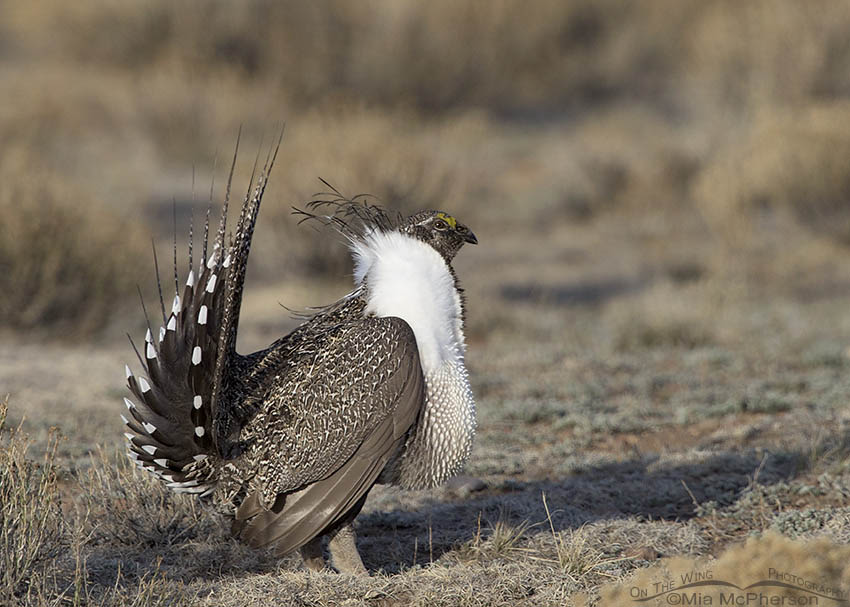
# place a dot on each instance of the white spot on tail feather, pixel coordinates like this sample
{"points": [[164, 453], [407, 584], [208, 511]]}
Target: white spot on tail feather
{"points": [[148, 337], [202, 315], [226, 263], [196, 355], [190, 282], [211, 284], [124, 419], [151, 351], [181, 485], [144, 385], [130, 404], [161, 462], [175, 307], [199, 431], [129, 436], [149, 428], [197, 401], [190, 489], [172, 323], [127, 372], [200, 457], [149, 449], [161, 333]]}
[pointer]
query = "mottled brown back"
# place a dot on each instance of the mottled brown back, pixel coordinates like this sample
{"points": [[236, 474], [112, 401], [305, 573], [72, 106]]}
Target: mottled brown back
{"points": [[338, 412]]}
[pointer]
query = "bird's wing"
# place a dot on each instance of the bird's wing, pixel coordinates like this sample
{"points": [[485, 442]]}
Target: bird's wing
{"points": [[177, 414], [349, 414]]}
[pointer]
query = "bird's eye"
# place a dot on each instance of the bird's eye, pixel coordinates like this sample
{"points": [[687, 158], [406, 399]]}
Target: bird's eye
{"points": [[440, 225]]}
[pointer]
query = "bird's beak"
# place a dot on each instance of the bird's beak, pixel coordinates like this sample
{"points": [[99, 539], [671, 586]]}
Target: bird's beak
{"points": [[470, 238]]}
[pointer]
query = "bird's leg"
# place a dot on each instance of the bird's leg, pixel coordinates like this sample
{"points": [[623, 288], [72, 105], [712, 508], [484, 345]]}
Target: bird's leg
{"points": [[311, 552], [343, 548]]}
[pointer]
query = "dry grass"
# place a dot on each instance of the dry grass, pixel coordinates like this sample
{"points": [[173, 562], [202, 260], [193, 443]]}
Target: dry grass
{"points": [[577, 556], [790, 168], [63, 255], [32, 532], [128, 507], [822, 564], [499, 539], [51, 532], [126, 541], [388, 53], [382, 53]]}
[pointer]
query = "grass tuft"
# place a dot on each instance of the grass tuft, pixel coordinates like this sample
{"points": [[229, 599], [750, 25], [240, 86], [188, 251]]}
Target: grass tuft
{"points": [[498, 540], [32, 529], [576, 556], [131, 507]]}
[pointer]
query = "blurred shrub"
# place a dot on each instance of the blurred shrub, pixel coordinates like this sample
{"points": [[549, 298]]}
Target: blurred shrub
{"points": [[674, 334], [665, 315], [764, 51], [402, 164], [377, 51], [791, 167], [66, 262], [506, 55]]}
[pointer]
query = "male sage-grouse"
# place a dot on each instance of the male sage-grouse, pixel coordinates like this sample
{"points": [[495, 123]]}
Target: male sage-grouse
{"points": [[290, 439]]}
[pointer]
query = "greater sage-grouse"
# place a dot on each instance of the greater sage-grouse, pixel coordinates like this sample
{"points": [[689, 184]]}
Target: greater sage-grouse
{"points": [[290, 439]]}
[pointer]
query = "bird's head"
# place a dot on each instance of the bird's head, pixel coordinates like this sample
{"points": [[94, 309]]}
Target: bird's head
{"points": [[358, 221], [440, 230]]}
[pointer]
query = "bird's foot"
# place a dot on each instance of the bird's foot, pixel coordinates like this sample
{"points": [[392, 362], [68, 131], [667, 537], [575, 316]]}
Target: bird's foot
{"points": [[343, 548], [311, 553]]}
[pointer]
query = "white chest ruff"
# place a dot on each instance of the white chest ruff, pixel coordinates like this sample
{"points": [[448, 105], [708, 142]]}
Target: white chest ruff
{"points": [[406, 278]]}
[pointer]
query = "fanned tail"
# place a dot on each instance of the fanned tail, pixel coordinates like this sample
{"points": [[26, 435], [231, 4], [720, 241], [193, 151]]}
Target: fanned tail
{"points": [[236, 263], [177, 425]]}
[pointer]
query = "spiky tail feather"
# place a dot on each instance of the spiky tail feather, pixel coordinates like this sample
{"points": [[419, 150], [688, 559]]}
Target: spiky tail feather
{"points": [[177, 425]]}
